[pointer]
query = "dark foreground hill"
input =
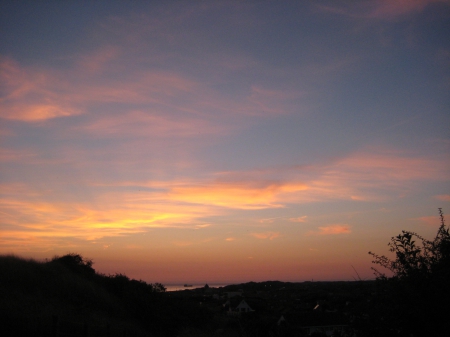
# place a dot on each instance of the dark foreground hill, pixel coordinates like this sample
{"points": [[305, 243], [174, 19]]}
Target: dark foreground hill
{"points": [[66, 297]]}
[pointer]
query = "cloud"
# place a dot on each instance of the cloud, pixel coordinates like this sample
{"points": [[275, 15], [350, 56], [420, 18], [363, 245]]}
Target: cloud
{"points": [[33, 95], [183, 243], [97, 60], [266, 235], [137, 123], [443, 197], [299, 219], [120, 208], [332, 230], [380, 9], [394, 8], [202, 226], [9, 155], [230, 239], [241, 195], [374, 174], [433, 221], [27, 213]]}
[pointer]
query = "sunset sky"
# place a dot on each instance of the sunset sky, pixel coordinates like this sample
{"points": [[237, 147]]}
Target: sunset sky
{"points": [[222, 141]]}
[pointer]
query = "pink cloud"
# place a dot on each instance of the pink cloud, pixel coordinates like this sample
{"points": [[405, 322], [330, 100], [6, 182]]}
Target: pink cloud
{"points": [[33, 95], [138, 123], [380, 9], [299, 219], [393, 8], [443, 197], [332, 230], [98, 60], [433, 221]]}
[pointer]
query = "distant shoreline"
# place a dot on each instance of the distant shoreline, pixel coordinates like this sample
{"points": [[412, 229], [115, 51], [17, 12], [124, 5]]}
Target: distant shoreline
{"points": [[178, 287]]}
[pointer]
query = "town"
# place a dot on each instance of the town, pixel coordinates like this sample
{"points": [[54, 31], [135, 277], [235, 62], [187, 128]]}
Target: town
{"points": [[275, 308]]}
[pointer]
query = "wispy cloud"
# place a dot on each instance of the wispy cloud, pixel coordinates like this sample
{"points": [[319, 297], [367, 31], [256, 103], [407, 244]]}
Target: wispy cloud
{"points": [[202, 226], [266, 235], [332, 230], [432, 221], [299, 219], [443, 197], [33, 95], [393, 8], [380, 9], [243, 195], [119, 208]]}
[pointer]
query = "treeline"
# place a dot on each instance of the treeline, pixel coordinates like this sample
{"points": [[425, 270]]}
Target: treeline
{"points": [[68, 287]]}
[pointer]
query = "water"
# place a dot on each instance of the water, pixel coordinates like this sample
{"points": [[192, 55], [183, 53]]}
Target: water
{"points": [[175, 287]]}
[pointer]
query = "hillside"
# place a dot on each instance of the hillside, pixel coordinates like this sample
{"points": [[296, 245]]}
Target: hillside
{"points": [[65, 296]]}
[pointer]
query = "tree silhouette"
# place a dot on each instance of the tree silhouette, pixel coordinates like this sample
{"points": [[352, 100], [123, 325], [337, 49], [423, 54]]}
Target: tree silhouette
{"points": [[75, 263], [411, 301]]}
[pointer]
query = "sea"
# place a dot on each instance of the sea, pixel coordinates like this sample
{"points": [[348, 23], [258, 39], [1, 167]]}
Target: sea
{"points": [[176, 287]]}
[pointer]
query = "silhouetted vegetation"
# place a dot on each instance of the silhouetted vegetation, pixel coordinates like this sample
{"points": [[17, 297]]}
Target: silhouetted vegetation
{"points": [[34, 293], [413, 301]]}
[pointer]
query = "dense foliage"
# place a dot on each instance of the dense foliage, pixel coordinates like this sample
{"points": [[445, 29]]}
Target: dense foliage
{"points": [[411, 302]]}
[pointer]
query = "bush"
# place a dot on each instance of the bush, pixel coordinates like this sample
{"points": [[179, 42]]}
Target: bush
{"points": [[411, 302]]}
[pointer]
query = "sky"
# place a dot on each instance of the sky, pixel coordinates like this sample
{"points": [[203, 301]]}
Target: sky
{"points": [[222, 141]]}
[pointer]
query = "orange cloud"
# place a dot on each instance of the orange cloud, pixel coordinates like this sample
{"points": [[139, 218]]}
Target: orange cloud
{"points": [[202, 226], [120, 209], [243, 195], [266, 235], [183, 243], [332, 230], [25, 213]]}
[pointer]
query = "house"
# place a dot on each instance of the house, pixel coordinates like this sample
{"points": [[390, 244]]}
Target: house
{"points": [[243, 307], [235, 310]]}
